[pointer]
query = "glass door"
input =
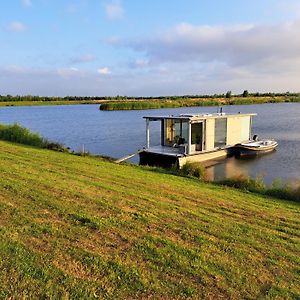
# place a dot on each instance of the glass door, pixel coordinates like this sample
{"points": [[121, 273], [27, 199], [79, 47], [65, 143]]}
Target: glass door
{"points": [[197, 136]]}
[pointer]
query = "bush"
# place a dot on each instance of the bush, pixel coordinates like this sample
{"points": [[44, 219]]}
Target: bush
{"points": [[193, 169], [277, 190], [245, 183], [18, 134]]}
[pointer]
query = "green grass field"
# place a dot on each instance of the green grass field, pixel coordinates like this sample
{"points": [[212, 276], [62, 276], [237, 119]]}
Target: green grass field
{"points": [[75, 227]]}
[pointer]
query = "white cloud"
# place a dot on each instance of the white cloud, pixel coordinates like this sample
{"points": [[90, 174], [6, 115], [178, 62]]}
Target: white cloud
{"points": [[114, 10], [243, 45], [176, 79], [26, 3], [83, 59], [104, 71], [69, 73], [211, 59], [16, 26], [113, 40], [187, 59], [141, 62]]}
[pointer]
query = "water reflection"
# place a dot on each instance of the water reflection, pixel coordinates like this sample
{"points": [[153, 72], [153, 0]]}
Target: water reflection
{"points": [[235, 167]]}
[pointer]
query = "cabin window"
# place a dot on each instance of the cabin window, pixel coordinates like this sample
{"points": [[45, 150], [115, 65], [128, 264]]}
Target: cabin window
{"points": [[176, 132], [184, 132], [169, 132], [220, 132]]}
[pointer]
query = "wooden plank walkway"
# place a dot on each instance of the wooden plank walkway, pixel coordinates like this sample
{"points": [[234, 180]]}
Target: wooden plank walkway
{"points": [[129, 156]]}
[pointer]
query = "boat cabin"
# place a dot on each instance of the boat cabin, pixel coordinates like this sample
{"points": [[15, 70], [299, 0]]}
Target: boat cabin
{"points": [[196, 137]]}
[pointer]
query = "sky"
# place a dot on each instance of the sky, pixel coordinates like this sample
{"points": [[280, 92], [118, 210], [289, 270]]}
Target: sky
{"points": [[148, 48]]}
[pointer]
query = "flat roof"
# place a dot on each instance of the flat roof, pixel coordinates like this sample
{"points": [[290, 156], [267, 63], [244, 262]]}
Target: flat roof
{"points": [[196, 117]]}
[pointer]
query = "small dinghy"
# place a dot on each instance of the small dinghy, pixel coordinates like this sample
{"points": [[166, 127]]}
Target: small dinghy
{"points": [[255, 147]]}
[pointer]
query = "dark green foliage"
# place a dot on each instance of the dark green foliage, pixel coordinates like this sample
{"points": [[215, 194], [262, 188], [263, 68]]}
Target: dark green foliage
{"points": [[193, 169], [18, 134], [30, 98], [131, 103], [190, 101], [278, 190], [155, 104], [228, 94], [245, 93]]}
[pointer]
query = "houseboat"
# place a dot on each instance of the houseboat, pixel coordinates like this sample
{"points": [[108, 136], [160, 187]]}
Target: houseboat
{"points": [[194, 137]]}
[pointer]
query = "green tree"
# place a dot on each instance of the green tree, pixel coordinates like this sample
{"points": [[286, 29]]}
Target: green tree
{"points": [[228, 94], [245, 93]]}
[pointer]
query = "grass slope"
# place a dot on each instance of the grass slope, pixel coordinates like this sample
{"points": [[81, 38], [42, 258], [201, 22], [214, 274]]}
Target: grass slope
{"points": [[79, 227]]}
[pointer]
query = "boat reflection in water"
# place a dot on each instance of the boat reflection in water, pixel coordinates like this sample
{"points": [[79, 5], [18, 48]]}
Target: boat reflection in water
{"points": [[236, 167]]}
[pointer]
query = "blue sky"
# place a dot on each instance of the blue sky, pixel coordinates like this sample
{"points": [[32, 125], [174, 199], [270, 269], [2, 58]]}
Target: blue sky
{"points": [[148, 48]]}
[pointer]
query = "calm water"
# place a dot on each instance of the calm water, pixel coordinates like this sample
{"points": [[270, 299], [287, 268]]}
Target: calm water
{"points": [[119, 133]]}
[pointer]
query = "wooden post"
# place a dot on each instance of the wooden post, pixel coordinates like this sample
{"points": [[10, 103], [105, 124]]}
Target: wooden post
{"points": [[190, 138], [147, 133]]}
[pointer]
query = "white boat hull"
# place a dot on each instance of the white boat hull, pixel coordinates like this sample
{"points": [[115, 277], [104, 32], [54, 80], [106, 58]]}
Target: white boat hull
{"points": [[256, 147]]}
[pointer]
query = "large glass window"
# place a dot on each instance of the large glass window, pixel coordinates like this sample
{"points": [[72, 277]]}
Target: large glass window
{"points": [[220, 132], [176, 132], [185, 132]]}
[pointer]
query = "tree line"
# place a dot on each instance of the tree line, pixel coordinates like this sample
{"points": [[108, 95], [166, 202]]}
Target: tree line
{"points": [[228, 94]]}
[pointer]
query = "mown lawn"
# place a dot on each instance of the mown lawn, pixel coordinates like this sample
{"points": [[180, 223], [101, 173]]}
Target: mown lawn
{"points": [[76, 227]]}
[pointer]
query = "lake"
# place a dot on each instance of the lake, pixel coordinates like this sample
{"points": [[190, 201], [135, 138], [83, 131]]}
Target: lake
{"points": [[118, 133]]}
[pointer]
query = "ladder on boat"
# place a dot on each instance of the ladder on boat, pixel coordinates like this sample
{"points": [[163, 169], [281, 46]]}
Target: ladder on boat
{"points": [[129, 156]]}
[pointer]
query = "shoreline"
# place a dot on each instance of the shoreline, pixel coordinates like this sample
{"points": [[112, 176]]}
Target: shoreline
{"points": [[158, 104], [139, 103]]}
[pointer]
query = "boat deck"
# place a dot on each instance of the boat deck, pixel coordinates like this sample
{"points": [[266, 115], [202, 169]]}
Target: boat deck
{"points": [[170, 151], [179, 151]]}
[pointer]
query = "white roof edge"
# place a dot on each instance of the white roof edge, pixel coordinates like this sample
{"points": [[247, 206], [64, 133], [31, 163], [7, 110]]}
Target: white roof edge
{"points": [[199, 116]]}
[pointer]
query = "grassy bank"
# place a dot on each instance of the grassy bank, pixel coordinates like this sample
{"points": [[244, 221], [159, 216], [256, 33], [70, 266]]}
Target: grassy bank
{"points": [[18, 134], [189, 102], [29, 100], [277, 189], [81, 227], [46, 103]]}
